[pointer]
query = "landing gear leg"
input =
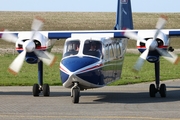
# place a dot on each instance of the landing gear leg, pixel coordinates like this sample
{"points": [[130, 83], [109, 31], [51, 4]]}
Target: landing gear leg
{"points": [[37, 88], [154, 89], [75, 93]]}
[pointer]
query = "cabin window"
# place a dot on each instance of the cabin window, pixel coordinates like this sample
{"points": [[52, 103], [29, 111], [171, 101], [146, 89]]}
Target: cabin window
{"points": [[93, 48], [111, 53], [107, 51], [118, 45], [71, 48]]}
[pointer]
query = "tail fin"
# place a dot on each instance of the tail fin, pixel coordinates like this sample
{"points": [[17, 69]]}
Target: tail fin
{"points": [[123, 15]]}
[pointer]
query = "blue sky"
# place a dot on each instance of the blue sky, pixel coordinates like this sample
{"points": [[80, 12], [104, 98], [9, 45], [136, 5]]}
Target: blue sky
{"points": [[88, 5]]}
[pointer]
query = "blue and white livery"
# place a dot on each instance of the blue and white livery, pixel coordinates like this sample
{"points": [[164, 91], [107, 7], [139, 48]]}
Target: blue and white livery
{"points": [[92, 59]]}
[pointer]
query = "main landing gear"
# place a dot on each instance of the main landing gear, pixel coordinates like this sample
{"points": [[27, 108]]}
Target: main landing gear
{"points": [[153, 89], [75, 93], [37, 88]]}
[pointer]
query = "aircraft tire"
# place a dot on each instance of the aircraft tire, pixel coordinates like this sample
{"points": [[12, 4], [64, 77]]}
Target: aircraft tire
{"points": [[36, 90], [75, 95], [46, 90], [152, 90], [162, 90]]}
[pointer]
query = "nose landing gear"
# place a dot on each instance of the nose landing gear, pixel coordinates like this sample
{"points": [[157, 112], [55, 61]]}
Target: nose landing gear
{"points": [[75, 93]]}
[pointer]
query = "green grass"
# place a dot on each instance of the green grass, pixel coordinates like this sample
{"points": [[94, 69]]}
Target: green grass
{"points": [[147, 72], [28, 74]]}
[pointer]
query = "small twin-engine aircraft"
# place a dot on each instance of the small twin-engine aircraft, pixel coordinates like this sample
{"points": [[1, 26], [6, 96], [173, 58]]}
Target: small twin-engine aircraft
{"points": [[92, 59]]}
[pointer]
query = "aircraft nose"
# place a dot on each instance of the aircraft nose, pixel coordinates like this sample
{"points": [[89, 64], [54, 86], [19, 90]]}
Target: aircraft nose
{"points": [[76, 63]]}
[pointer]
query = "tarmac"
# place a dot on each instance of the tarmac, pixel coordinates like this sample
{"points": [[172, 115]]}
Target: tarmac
{"points": [[125, 102]]}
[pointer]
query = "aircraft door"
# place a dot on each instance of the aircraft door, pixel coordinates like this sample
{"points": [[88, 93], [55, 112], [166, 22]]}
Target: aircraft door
{"points": [[109, 65], [117, 50]]}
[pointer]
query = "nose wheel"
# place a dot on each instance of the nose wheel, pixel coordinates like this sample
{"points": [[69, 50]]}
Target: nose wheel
{"points": [[75, 93]]}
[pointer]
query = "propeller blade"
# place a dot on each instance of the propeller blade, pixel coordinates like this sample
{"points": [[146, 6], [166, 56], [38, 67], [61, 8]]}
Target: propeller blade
{"points": [[37, 24], [161, 22], [141, 60], [47, 58], [133, 35], [159, 25], [169, 56], [9, 37], [16, 65]]}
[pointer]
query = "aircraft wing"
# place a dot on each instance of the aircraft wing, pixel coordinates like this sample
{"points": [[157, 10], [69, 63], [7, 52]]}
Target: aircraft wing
{"points": [[172, 32], [101, 33], [68, 34], [77, 34], [168, 32], [94, 33]]}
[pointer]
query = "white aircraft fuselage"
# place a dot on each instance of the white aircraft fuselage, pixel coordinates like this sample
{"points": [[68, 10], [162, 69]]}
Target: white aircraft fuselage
{"points": [[91, 68]]}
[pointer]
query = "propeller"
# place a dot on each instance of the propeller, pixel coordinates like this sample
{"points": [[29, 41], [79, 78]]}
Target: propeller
{"points": [[28, 46], [151, 44], [8, 36]]}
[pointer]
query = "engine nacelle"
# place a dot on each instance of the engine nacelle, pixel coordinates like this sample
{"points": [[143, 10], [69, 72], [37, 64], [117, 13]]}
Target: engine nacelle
{"points": [[39, 42], [162, 39]]}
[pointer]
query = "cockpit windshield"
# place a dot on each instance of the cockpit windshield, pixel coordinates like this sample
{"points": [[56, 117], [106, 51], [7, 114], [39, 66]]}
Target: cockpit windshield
{"points": [[71, 48], [93, 48]]}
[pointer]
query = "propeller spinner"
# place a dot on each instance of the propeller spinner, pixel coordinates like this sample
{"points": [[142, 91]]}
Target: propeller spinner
{"points": [[28, 46], [152, 45]]}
